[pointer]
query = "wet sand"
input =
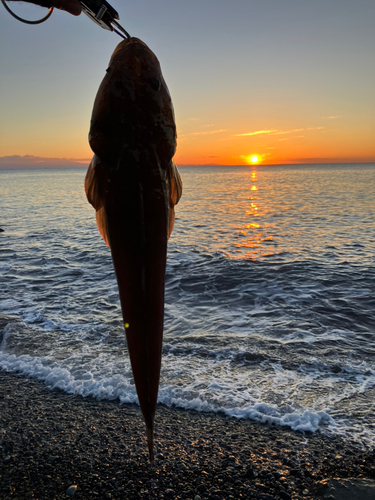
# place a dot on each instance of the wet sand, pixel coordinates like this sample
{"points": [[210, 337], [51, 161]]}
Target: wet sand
{"points": [[54, 445]]}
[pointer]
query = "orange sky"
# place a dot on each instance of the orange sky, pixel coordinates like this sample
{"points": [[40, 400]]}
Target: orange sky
{"points": [[329, 142], [285, 81]]}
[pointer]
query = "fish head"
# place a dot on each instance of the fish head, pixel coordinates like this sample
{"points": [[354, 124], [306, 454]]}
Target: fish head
{"points": [[133, 108]]}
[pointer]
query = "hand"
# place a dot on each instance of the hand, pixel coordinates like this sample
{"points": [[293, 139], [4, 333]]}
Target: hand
{"points": [[71, 6]]}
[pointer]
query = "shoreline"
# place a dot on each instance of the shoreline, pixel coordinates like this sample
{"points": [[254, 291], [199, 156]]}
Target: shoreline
{"points": [[51, 440]]}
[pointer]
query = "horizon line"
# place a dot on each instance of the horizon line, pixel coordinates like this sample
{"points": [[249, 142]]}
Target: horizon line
{"points": [[28, 161]]}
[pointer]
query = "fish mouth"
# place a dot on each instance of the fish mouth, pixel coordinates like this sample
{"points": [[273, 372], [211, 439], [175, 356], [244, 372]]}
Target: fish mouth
{"points": [[128, 42]]}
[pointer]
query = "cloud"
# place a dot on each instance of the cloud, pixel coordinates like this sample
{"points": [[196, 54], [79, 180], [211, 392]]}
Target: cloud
{"points": [[257, 132], [206, 132], [277, 132], [363, 159], [289, 131], [209, 132], [332, 117]]}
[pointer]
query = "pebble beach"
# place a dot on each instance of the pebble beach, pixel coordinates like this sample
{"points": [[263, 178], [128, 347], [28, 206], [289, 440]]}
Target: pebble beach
{"points": [[55, 445]]}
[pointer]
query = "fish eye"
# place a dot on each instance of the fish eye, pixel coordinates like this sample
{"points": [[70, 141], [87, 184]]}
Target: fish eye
{"points": [[155, 83]]}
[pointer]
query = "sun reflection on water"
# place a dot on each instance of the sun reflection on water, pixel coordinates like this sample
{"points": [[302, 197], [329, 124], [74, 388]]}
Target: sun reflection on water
{"points": [[253, 244]]}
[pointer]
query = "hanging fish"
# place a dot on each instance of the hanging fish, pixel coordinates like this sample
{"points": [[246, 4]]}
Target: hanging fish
{"points": [[133, 184]]}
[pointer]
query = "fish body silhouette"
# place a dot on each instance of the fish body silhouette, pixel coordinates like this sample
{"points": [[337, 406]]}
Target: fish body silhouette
{"points": [[133, 184]]}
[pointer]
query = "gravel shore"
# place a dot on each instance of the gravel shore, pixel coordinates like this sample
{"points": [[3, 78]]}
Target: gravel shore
{"points": [[56, 446]]}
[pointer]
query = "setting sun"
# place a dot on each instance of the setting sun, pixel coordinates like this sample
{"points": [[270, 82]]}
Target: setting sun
{"points": [[251, 159]]}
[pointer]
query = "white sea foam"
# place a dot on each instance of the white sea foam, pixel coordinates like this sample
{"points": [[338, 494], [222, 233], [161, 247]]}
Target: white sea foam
{"points": [[200, 388], [195, 375]]}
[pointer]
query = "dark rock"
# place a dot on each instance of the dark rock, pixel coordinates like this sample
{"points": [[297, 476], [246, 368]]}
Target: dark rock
{"points": [[42, 459], [70, 492], [284, 495], [346, 489], [252, 492], [201, 488], [250, 473], [295, 472]]}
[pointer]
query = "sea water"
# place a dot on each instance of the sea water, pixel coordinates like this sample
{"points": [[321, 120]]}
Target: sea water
{"points": [[270, 294]]}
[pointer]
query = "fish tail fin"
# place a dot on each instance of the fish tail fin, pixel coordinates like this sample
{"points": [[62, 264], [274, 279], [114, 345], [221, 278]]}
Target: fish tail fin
{"points": [[150, 442]]}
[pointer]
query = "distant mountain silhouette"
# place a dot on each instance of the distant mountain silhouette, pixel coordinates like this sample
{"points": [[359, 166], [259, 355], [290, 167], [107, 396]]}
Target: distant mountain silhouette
{"points": [[35, 161]]}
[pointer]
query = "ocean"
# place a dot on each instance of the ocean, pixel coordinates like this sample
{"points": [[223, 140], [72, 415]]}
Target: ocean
{"points": [[270, 294]]}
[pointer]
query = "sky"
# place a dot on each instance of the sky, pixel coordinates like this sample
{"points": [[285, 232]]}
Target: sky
{"points": [[265, 81]]}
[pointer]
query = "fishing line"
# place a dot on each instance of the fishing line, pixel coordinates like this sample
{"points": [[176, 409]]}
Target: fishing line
{"points": [[26, 21], [122, 36]]}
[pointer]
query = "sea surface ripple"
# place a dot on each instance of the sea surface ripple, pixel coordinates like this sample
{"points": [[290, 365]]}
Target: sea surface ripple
{"points": [[270, 294]]}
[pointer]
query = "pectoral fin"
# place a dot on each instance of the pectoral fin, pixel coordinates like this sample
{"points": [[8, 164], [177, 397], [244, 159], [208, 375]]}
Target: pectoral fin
{"points": [[101, 222], [175, 183], [94, 182]]}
